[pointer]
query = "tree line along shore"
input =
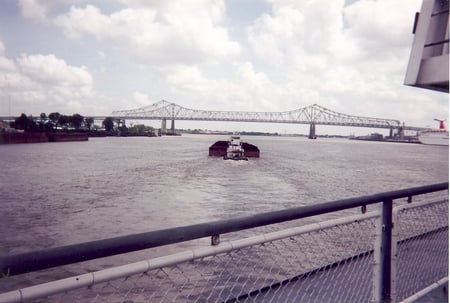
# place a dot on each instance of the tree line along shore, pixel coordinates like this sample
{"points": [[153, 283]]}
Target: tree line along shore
{"points": [[57, 127]]}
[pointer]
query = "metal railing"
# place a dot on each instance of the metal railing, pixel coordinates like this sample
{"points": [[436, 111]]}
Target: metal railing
{"points": [[360, 258]]}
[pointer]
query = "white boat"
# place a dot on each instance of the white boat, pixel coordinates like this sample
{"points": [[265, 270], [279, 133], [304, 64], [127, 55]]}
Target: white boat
{"points": [[439, 136], [235, 150], [434, 137]]}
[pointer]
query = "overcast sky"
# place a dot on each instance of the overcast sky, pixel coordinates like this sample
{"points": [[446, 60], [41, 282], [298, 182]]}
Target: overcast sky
{"points": [[94, 57]]}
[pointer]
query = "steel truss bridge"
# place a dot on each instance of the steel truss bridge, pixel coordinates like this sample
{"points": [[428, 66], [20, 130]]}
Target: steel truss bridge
{"points": [[312, 115]]}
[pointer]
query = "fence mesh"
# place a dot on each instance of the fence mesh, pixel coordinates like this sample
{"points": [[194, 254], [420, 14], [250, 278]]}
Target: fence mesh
{"points": [[422, 249]]}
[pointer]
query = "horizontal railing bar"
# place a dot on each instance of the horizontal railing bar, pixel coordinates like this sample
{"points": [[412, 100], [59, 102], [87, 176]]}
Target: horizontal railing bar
{"points": [[409, 206], [37, 260]]}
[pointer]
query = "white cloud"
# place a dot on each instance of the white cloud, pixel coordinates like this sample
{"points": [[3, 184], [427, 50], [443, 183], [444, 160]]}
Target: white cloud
{"points": [[244, 89], [35, 83], [6, 65], [189, 78], [380, 25], [170, 32], [259, 88], [38, 10], [33, 9], [297, 28], [2, 48], [50, 70], [141, 99], [188, 82]]}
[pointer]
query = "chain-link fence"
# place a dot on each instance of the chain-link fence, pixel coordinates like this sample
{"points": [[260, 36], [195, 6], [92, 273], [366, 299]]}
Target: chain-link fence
{"points": [[422, 247], [331, 261]]}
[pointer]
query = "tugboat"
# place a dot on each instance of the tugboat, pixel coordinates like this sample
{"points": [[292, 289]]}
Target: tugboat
{"points": [[235, 150]]}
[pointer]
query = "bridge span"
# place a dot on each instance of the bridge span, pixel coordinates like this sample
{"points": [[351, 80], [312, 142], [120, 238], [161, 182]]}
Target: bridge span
{"points": [[312, 115]]}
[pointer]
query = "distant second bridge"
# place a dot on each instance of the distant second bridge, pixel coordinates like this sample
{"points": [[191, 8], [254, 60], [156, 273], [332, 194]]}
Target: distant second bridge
{"points": [[312, 115]]}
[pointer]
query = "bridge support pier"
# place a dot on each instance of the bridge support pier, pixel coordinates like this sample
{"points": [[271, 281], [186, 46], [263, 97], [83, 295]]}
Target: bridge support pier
{"points": [[163, 127], [401, 132], [164, 130], [312, 131], [172, 127]]}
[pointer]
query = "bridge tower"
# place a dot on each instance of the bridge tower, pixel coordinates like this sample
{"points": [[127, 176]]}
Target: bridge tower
{"points": [[312, 131]]}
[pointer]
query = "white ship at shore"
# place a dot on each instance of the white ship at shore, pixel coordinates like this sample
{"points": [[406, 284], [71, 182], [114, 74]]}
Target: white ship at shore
{"points": [[439, 136], [434, 137]]}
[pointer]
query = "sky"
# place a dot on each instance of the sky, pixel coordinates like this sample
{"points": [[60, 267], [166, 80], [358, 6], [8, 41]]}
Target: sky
{"points": [[94, 57]]}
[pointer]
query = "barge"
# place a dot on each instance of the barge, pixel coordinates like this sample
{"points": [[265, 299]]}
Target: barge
{"points": [[233, 149], [15, 137], [380, 138]]}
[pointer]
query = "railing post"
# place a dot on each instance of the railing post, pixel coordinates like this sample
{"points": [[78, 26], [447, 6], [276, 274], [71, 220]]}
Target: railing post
{"points": [[386, 250], [382, 265]]}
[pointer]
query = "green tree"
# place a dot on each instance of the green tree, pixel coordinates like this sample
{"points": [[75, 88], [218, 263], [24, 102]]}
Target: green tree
{"points": [[25, 123], [54, 117], [64, 121], [43, 117], [108, 123], [42, 121], [140, 128], [48, 126], [21, 122], [76, 121], [88, 122]]}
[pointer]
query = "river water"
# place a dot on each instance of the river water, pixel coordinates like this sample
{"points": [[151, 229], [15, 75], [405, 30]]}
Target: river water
{"points": [[55, 194]]}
